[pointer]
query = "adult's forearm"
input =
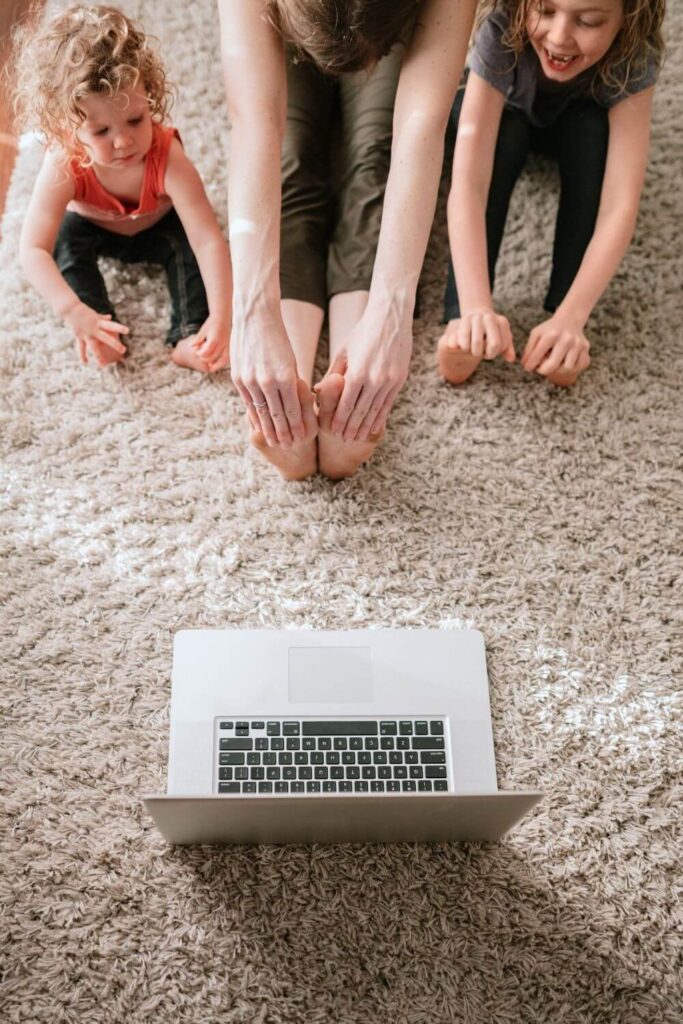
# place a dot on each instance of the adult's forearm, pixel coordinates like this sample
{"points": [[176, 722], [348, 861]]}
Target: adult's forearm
{"points": [[605, 252], [254, 213], [409, 204]]}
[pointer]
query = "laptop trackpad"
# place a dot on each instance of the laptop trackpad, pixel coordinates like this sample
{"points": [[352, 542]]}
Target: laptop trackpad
{"points": [[323, 675]]}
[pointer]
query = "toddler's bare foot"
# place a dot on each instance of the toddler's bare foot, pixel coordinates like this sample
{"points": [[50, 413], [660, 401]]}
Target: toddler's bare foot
{"points": [[107, 356], [301, 460], [455, 366], [184, 355], [337, 458], [563, 378]]}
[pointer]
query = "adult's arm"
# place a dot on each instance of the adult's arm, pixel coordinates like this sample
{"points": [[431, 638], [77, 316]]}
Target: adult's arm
{"points": [[262, 361], [377, 354]]}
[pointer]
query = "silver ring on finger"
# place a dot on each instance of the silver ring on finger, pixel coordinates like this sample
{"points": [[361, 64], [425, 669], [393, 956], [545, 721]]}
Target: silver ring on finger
{"points": [[260, 405]]}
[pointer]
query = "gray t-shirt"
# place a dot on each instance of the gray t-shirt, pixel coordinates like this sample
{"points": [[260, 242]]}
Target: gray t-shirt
{"points": [[520, 79]]}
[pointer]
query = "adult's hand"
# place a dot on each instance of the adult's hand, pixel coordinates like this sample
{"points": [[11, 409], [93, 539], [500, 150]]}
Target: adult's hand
{"points": [[375, 364], [265, 374]]}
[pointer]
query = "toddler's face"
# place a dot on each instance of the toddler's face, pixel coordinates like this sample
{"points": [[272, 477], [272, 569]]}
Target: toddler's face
{"points": [[570, 36], [117, 131]]}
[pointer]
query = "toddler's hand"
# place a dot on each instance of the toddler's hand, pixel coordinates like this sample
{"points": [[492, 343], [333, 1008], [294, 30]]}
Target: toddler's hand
{"points": [[556, 345], [96, 333], [212, 342], [482, 333]]}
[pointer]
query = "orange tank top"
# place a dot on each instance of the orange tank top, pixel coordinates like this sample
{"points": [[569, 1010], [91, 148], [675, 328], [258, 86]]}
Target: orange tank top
{"points": [[91, 199]]}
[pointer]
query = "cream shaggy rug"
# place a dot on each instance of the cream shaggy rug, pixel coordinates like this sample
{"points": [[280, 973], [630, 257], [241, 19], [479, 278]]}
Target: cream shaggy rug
{"points": [[549, 520]]}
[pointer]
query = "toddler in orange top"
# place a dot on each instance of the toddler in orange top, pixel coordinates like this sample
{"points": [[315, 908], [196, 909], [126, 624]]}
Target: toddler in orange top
{"points": [[115, 181]]}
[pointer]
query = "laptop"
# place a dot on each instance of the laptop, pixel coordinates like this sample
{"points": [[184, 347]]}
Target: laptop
{"points": [[301, 736]]}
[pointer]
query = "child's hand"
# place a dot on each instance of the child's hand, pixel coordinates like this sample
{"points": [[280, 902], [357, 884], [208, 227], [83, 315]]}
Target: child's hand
{"points": [[96, 333], [557, 346], [212, 342], [482, 333]]}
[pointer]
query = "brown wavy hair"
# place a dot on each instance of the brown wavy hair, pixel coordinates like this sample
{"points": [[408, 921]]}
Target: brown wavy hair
{"points": [[88, 49], [637, 42], [340, 36]]}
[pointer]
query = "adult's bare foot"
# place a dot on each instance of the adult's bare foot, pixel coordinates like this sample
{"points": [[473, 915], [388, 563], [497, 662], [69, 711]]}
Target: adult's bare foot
{"points": [[300, 460], [338, 459], [455, 366]]}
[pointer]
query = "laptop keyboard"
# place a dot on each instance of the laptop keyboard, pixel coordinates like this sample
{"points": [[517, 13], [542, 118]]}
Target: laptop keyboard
{"points": [[287, 755]]}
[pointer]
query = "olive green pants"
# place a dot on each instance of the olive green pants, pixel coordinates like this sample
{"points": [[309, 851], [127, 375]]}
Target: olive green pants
{"points": [[331, 216]]}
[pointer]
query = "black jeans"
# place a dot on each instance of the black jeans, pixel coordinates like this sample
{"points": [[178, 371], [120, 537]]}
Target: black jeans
{"points": [[80, 243], [578, 141]]}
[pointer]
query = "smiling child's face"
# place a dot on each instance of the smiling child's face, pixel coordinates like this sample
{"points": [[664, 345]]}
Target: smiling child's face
{"points": [[116, 131], [570, 36]]}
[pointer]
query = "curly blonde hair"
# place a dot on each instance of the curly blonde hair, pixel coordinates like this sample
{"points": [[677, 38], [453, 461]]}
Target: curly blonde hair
{"points": [[88, 49], [638, 40]]}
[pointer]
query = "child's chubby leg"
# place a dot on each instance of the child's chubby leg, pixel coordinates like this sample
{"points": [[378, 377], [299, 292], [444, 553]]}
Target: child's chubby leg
{"points": [[337, 458], [303, 322]]}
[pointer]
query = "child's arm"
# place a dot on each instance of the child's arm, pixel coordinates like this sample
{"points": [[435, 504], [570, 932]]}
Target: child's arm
{"points": [[52, 192], [559, 343], [480, 331], [186, 190]]}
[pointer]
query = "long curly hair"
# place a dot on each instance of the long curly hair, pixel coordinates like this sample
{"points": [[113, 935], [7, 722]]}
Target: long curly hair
{"points": [[637, 42], [88, 49]]}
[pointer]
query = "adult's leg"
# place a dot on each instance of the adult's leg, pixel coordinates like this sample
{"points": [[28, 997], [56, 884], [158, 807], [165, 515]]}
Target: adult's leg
{"points": [[579, 140], [512, 150]]}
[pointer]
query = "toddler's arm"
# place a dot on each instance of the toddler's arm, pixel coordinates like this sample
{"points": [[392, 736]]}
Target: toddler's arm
{"points": [[185, 188], [555, 344], [480, 331], [51, 193]]}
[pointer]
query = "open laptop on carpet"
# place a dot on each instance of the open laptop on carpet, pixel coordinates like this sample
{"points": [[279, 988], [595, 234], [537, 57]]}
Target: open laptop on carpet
{"points": [[281, 736]]}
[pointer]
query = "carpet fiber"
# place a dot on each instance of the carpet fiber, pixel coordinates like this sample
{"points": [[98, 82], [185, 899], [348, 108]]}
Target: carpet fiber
{"points": [[550, 520]]}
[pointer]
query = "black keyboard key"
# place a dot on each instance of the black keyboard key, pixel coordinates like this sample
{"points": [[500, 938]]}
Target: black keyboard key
{"points": [[348, 757], [325, 743], [228, 787], [410, 757], [277, 743], [258, 725], [337, 772], [340, 743], [273, 728], [256, 774], [421, 728], [248, 787], [284, 758], [305, 773], [395, 757], [242, 774], [339, 728], [393, 787], [297, 787], [321, 773], [332, 757], [265, 787], [379, 757], [435, 772], [371, 743], [233, 758], [272, 774], [289, 773], [387, 728], [241, 732], [428, 743], [329, 787], [387, 743], [424, 786], [317, 757], [400, 772], [282, 787], [242, 725], [384, 773], [290, 729], [261, 743], [355, 743], [415, 771], [440, 784], [346, 787], [227, 725], [376, 787], [254, 758], [353, 773], [312, 787], [408, 786], [369, 773], [308, 743], [225, 774], [364, 757], [405, 728], [301, 757], [432, 757], [269, 758], [436, 728], [361, 787], [402, 743], [293, 743], [237, 744]]}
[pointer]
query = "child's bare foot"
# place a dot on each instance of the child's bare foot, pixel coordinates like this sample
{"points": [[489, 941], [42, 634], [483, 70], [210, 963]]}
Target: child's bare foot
{"points": [[301, 460], [336, 458], [563, 378], [455, 366], [184, 355]]}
